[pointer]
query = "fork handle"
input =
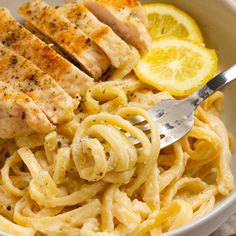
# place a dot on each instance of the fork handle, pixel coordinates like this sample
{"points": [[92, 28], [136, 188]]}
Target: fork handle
{"points": [[212, 86]]}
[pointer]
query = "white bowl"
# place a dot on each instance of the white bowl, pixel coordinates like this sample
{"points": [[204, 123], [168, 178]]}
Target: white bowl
{"points": [[217, 20]]}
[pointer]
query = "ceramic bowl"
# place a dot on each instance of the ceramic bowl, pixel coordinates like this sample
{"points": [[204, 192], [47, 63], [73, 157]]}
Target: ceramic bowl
{"points": [[217, 20]]}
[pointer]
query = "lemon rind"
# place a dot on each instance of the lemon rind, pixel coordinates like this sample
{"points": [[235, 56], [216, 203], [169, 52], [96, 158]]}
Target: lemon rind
{"points": [[198, 35]]}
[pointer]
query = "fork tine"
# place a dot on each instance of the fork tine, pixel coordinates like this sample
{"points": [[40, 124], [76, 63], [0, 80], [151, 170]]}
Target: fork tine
{"points": [[160, 115], [144, 128], [139, 120], [137, 143], [136, 120]]}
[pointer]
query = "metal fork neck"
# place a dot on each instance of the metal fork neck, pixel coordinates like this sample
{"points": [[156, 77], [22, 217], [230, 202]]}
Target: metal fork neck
{"points": [[212, 86]]}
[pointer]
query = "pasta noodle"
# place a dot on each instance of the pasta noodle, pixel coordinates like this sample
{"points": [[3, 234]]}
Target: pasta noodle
{"points": [[89, 179]]}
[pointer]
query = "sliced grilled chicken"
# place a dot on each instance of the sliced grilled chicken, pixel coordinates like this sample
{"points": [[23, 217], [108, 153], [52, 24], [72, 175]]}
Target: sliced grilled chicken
{"points": [[114, 47], [49, 42], [17, 38], [39, 34], [126, 18], [67, 35], [19, 115], [25, 77]]}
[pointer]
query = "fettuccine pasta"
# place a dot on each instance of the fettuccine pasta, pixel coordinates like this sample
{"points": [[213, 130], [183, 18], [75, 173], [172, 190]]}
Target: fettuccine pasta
{"points": [[89, 179]]}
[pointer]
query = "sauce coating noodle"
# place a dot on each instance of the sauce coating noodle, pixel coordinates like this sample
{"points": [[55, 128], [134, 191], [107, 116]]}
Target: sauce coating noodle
{"points": [[89, 179]]}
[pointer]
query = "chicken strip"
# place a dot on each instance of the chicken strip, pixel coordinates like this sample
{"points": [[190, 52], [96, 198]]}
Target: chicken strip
{"points": [[17, 38], [114, 47], [19, 115], [67, 35], [25, 77], [126, 18], [50, 43]]}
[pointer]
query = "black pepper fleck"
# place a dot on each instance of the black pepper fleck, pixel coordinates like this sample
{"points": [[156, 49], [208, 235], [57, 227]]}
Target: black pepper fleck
{"points": [[23, 116], [31, 77], [14, 61], [88, 40]]}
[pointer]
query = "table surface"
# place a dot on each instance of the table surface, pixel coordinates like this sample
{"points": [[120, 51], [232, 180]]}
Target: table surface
{"points": [[228, 228]]}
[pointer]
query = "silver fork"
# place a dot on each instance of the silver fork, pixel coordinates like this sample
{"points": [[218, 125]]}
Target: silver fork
{"points": [[175, 118]]}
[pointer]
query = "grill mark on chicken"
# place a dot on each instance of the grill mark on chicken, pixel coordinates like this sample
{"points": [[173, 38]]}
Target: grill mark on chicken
{"points": [[17, 38], [67, 35], [99, 33], [120, 3], [114, 47], [25, 77]]}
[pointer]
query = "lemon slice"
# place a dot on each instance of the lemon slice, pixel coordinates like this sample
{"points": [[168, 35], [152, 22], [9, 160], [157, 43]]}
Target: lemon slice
{"points": [[177, 66], [167, 20]]}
